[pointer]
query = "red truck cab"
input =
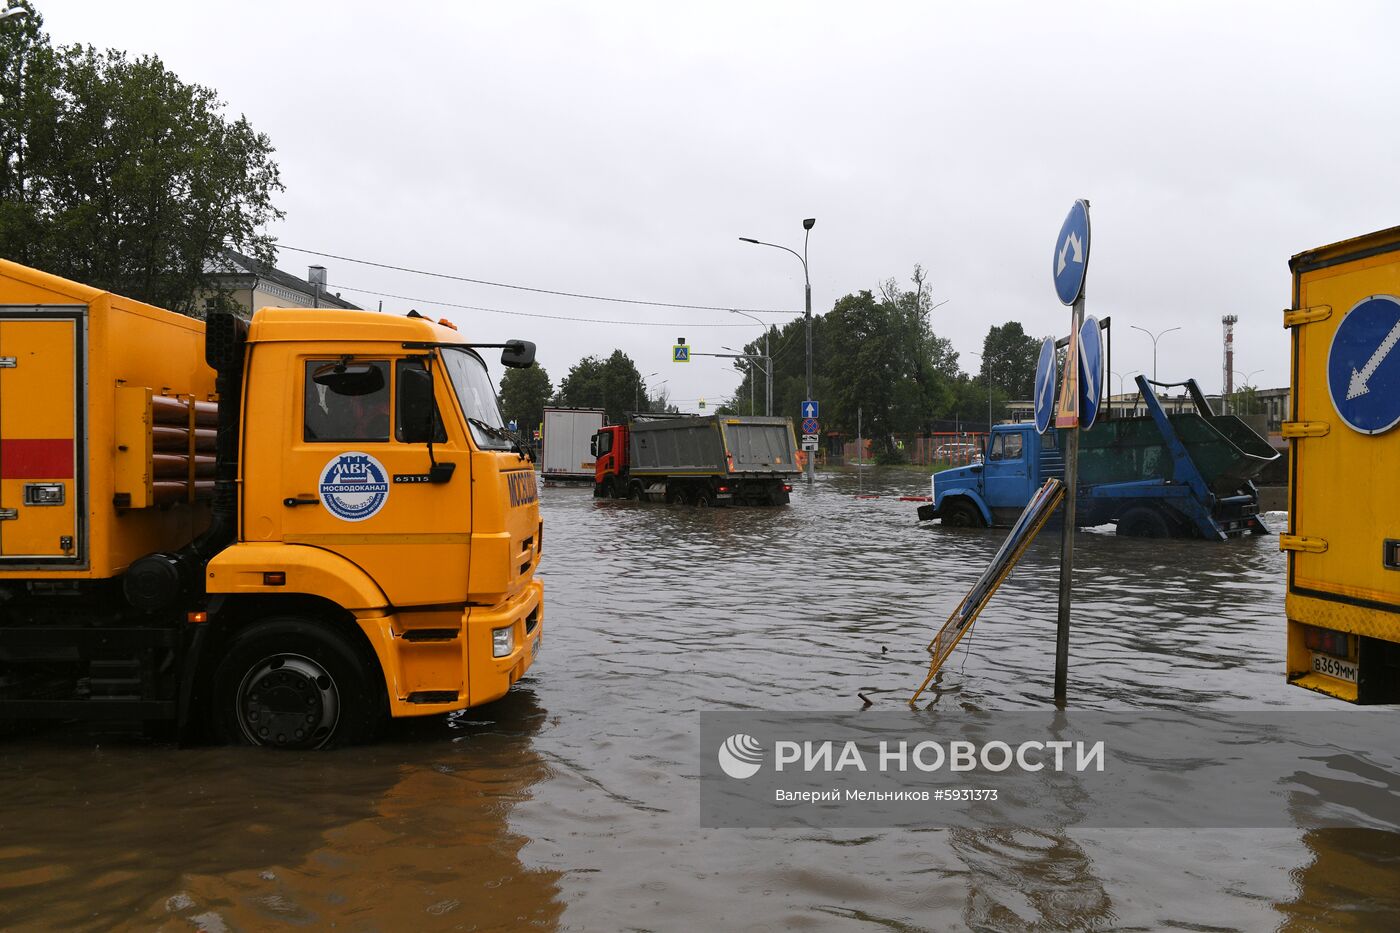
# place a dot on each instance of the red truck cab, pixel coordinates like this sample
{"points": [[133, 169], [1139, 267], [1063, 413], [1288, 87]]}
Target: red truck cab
{"points": [[609, 449]]}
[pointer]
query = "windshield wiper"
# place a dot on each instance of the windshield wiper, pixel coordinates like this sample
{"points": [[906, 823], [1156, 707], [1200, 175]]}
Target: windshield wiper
{"points": [[500, 434], [491, 430]]}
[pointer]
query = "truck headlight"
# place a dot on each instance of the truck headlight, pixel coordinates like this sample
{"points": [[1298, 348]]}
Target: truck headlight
{"points": [[502, 641]]}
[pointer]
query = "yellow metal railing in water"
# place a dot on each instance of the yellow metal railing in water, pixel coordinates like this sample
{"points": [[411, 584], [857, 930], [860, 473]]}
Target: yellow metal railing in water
{"points": [[1033, 518]]}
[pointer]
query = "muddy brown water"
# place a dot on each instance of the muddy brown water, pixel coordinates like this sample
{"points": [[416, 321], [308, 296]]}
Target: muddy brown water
{"points": [[572, 803]]}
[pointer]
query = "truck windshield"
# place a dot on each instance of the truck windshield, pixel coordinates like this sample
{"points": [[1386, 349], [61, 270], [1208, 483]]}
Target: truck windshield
{"points": [[478, 399]]}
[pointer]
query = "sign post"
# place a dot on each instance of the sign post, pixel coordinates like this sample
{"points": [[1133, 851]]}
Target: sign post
{"points": [[1070, 262]]}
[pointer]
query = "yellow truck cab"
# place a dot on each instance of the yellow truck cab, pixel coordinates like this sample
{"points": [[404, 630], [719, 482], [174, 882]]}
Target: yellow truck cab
{"points": [[349, 533], [1343, 539]]}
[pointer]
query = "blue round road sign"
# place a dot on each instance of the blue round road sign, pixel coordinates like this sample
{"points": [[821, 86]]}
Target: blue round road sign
{"points": [[1363, 366], [1072, 254], [1090, 371], [1045, 386]]}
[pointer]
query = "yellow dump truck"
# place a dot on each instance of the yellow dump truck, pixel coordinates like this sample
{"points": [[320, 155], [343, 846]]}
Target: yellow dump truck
{"points": [[281, 531], [1343, 540]]}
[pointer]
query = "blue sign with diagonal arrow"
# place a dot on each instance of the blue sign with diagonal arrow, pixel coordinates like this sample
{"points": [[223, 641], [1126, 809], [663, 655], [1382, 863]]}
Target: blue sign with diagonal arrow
{"points": [[1090, 371], [1072, 254], [1363, 365], [1045, 386]]}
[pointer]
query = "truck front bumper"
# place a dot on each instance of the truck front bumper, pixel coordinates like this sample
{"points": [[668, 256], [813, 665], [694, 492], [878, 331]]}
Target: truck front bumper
{"points": [[431, 670]]}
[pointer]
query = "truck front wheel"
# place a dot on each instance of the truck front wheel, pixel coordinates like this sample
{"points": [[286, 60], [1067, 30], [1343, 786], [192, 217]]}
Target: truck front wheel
{"points": [[961, 514], [1143, 522], [291, 683]]}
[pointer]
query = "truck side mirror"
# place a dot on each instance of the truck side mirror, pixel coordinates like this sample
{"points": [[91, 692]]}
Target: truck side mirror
{"points": [[593, 446], [518, 354], [416, 408]]}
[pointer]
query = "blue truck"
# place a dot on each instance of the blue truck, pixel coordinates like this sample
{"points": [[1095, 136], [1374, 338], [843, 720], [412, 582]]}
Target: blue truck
{"points": [[1188, 475]]}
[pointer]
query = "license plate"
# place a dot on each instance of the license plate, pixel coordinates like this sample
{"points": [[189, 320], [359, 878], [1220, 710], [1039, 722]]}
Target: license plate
{"points": [[535, 649], [1334, 667]]}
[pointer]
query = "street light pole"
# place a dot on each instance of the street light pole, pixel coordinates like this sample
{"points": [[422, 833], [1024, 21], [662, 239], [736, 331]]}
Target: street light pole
{"points": [[1121, 392], [752, 360], [989, 392], [1155, 338], [1244, 384], [637, 392], [807, 225], [768, 363]]}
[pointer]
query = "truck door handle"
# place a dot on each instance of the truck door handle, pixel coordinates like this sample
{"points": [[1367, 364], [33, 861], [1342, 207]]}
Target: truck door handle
{"points": [[292, 502]]}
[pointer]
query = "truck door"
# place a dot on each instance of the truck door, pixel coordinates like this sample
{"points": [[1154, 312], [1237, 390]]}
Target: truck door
{"points": [[1006, 477], [333, 473], [41, 433]]}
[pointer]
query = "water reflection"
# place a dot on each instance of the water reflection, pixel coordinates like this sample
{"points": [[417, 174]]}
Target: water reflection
{"points": [[573, 802], [409, 833]]}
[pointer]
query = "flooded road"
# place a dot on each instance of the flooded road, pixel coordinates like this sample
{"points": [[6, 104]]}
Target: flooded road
{"points": [[573, 803]]}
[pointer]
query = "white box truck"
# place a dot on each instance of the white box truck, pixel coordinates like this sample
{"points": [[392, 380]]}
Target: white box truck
{"points": [[566, 438]]}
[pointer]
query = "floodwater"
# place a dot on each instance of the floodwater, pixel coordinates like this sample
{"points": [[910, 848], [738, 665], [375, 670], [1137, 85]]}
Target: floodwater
{"points": [[573, 803]]}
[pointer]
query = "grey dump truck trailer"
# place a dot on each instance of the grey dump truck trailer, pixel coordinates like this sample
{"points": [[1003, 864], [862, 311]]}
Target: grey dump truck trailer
{"points": [[698, 460]]}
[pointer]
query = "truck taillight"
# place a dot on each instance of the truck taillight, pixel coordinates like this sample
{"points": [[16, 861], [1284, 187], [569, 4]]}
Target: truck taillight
{"points": [[787, 488], [724, 489], [1336, 644]]}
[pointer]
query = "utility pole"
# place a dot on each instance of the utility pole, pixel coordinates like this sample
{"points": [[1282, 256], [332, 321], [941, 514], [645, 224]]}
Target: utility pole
{"points": [[807, 225]]}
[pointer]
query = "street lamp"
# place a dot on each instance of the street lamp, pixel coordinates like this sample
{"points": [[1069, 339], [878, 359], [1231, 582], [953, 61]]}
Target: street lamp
{"points": [[807, 225], [12, 12], [768, 361], [637, 392], [1155, 338], [1121, 377], [748, 358], [1244, 384], [989, 392]]}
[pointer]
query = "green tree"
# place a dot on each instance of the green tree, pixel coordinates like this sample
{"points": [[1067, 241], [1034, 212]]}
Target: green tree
{"points": [[524, 393], [1009, 358], [880, 360], [613, 385], [122, 176]]}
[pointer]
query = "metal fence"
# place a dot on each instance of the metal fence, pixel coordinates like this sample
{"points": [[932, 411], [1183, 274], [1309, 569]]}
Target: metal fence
{"points": [[951, 448]]}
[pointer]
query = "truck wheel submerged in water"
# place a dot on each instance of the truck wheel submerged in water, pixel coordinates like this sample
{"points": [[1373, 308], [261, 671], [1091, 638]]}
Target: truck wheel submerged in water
{"points": [[291, 683], [1143, 522], [959, 513]]}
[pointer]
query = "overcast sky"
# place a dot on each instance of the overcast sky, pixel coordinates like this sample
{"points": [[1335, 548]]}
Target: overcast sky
{"points": [[621, 150]]}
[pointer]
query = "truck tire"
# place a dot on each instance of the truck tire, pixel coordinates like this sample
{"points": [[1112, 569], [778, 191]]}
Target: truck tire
{"points": [[674, 495], [636, 491], [1143, 522], [778, 496], [702, 498], [287, 682], [959, 513], [604, 490]]}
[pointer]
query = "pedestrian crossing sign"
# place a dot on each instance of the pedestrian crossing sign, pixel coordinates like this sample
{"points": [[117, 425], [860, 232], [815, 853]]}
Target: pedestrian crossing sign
{"points": [[680, 353]]}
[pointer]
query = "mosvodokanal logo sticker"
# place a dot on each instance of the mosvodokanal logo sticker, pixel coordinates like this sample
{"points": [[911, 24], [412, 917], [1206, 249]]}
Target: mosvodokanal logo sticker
{"points": [[354, 486]]}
